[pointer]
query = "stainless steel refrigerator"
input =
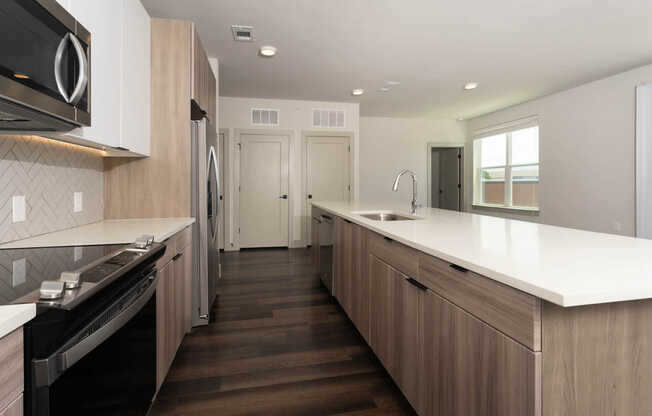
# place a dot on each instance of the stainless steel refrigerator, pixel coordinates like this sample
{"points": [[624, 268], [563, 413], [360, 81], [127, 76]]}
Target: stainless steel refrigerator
{"points": [[207, 268]]}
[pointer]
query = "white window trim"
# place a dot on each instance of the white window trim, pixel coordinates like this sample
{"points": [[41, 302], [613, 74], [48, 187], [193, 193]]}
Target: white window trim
{"points": [[507, 129]]}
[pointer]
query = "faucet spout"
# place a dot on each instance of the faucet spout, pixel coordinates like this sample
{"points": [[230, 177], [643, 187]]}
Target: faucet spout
{"points": [[414, 204]]}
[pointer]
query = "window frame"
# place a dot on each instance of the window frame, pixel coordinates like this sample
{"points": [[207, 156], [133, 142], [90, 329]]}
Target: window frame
{"points": [[507, 129]]}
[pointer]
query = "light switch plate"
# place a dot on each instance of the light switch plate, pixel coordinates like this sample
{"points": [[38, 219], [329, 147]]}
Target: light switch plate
{"points": [[18, 208], [19, 270], [78, 202]]}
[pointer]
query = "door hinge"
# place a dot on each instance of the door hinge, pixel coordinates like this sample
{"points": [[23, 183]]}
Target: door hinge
{"points": [[239, 146], [238, 230], [459, 156], [459, 186], [239, 190], [349, 148], [349, 187]]}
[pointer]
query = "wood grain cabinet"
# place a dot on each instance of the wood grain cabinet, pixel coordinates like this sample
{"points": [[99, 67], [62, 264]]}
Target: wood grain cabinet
{"points": [[394, 327], [469, 368], [460, 344], [204, 84], [351, 283], [173, 301], [11, 373]]}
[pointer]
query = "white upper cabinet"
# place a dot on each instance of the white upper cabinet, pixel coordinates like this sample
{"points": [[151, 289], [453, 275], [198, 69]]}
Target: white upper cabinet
{"points": [[120, 73]]}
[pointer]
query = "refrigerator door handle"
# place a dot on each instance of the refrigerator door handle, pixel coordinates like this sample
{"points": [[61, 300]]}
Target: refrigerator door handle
{"points": [[212, 158]]}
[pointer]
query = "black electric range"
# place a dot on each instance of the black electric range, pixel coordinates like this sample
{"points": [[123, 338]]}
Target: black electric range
{"points": [[91, 349]]}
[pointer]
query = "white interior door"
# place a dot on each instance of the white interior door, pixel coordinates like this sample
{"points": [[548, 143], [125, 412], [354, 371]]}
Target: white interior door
{"points": [[328, 176], [221, 149], [264, 189]]}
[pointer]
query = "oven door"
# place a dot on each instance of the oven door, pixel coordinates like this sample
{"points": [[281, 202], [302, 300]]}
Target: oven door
{"points": [[45, 62], [108, 367]]}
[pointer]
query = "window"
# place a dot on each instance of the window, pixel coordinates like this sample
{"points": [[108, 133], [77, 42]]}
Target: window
{"points": [[506, 169]]}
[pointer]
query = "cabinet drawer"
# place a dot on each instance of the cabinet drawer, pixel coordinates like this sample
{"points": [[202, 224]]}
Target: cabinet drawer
{"points": [[15, 408], [184, 238], [170, 251], [515, 313], [11, 367], [401, 257]]}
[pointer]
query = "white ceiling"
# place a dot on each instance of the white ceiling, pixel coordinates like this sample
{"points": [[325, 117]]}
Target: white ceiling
{"points": [[516, 49]]}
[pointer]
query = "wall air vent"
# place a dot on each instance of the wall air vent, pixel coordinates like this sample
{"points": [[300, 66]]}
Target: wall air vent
{"points": [[242, 33], [264, 117], [328, 119]]}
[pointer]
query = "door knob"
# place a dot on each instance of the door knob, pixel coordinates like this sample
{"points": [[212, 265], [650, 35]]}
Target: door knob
{"points": [[284, 196], [309, 196]]}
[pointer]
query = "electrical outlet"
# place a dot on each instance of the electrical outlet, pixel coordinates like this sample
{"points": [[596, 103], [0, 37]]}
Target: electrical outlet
{"points": [[78, 253], [19, 270], [18, 208], [78, 202]]}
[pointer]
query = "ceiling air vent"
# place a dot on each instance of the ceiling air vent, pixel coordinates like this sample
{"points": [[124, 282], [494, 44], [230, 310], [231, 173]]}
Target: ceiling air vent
{"points": [[264, 117], [328, 119], [242, 33]]}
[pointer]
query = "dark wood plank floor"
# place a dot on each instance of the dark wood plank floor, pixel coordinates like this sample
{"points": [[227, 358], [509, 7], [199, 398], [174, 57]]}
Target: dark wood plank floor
{"points": [[277, 344]]}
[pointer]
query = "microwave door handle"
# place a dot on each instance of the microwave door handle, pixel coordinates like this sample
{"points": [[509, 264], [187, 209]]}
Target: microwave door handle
{"points": [[58, 60], [82, 80]]}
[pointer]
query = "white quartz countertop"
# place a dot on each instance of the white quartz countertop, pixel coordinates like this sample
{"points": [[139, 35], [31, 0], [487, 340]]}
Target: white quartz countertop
{"points": [[14, 316], [565, 266], [106, 232]]}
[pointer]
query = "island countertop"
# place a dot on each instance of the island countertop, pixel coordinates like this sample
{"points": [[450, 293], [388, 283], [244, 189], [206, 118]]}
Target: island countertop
{"points": [[567, 267]]}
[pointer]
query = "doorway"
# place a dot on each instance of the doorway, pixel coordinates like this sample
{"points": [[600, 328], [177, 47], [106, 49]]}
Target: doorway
{"points": [[445, 176], [264, 190], [328, 169]]}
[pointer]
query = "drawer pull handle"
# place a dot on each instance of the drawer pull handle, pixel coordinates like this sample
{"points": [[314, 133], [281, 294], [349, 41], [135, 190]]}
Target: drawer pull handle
{"points": [[389, 240], [416, 284], [459, 268], [177, 256]]}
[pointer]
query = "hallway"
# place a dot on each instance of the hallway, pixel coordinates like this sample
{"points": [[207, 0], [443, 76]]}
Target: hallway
{"points": [[277, 345]]}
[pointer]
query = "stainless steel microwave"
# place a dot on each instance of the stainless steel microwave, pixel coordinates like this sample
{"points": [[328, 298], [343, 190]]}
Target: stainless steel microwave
{"points": [[44, 68]]}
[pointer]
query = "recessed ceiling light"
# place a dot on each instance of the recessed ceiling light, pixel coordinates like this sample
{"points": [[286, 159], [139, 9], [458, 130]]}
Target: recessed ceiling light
{"points": [[393, 83], [384, 89], [267, 51], [470, 86], [357, 91]]}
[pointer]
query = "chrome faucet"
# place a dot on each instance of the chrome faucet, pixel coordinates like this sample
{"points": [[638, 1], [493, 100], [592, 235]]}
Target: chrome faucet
{"points": [[414, 204]]}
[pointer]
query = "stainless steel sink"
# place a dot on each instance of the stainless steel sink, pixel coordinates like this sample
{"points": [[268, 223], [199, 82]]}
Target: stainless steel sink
{"points": [[386, 216]]}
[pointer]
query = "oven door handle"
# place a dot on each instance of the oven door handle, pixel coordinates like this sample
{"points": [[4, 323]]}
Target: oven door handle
{"points": [[48, 370]]}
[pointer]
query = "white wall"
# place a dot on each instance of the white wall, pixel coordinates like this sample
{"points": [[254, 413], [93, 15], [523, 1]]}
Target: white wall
{"points": [[388, 145], [295, 115], [587, 138]]}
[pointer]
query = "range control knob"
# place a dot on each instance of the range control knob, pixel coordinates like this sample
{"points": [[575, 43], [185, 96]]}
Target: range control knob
{"points": [[71, 280], [52, 289]]}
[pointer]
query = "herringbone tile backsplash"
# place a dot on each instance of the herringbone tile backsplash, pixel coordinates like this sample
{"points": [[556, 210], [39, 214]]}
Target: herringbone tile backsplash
{"points": [[48, 173]]}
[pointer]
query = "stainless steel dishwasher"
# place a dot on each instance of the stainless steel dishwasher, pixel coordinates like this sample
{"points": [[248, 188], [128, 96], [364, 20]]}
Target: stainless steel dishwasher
{"points": [[326, 234]]}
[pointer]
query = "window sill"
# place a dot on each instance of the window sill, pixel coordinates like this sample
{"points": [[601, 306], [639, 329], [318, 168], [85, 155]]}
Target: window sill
{"points": [[522, 210]]}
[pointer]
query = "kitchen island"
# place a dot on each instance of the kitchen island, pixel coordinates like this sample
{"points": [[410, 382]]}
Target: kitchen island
{"points": [[477, 315]]}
